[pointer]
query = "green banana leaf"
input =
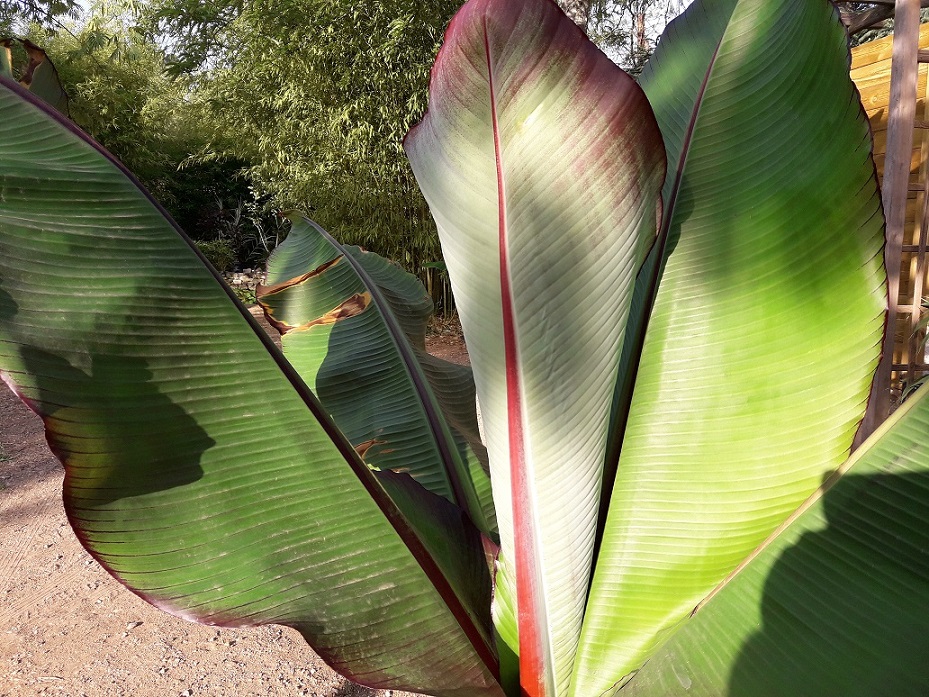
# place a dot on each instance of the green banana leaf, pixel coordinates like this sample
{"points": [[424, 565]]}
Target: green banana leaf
{"points": [[767, 321], [835, 602], [354, 325], [199, 469], [542, 163]]}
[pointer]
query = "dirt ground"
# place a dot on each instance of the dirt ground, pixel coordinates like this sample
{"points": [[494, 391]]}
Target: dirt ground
{"points": [[69, 629]]}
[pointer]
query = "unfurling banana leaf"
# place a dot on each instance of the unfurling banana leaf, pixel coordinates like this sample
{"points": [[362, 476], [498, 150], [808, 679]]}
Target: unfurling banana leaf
{"points": [[354, 325], [542, 164]]}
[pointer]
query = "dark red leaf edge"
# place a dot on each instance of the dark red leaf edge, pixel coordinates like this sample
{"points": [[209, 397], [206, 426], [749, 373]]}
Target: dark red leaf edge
{"points": [[365, 475]]}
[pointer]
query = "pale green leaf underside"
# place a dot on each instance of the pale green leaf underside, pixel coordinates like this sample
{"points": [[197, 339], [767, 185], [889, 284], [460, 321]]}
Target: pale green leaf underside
{"points": [[767, 323], [195, 470], [541, 164], [837, 603]]}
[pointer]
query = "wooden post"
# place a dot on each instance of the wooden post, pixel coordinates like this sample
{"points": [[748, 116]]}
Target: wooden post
{"points": [[894, 190], [918, 265]]}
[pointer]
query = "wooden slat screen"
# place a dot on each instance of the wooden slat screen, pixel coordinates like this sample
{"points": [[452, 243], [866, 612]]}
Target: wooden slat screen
{"points": [[870, 71]]}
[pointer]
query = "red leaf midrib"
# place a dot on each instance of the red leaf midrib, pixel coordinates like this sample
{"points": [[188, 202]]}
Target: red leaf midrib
{"points": [[528, 602]]}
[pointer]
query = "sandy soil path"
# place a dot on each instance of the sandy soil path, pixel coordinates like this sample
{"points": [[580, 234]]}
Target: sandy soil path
{"points": [[69, 629]]}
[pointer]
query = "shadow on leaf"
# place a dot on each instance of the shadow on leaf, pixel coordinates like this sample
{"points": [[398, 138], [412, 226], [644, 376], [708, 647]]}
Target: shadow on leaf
{"points": [[116, 432], [844, 609]]}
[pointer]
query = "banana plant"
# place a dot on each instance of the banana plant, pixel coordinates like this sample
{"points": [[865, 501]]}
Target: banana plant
{"points": [[673, 299]]}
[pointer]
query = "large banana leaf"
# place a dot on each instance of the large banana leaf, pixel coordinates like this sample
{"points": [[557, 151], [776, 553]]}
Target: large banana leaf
{"points": [[835, 603], [767, 323], [200, 470], [354, 325], [541, 163]]}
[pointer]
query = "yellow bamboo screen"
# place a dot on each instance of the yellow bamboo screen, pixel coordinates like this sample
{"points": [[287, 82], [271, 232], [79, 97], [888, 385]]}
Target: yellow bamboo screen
{"points": [[871, 73]]}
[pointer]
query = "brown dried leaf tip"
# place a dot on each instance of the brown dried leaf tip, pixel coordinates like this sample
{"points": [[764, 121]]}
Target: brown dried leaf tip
{"points": [[355, 305], [363, 448], [264, 291]]}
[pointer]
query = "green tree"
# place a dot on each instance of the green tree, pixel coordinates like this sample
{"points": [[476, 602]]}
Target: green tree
{"points": [[124, 96], [317, 96], [16, 15], [627, 30]]}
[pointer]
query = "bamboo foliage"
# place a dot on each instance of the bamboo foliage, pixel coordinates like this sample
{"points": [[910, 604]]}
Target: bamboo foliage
{"points": [[318, 97]]}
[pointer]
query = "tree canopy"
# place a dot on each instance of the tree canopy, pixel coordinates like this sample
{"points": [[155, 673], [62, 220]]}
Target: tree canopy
{"points": [[16, 14], [230, 109], [318, 96]]}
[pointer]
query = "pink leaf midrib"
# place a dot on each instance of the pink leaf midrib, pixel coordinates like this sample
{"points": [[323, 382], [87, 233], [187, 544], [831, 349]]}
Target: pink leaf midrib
{"points": [[528, 602]]}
